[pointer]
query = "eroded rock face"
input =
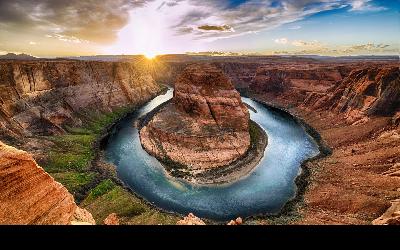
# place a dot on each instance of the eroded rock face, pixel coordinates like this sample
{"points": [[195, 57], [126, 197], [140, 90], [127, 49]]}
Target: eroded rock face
{"points": [[40, 97], [365, 92], [28, 195], [206, 125]]}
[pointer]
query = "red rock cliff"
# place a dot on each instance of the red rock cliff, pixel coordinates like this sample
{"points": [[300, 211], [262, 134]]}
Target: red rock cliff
{"points": [[39, 97], [28, 195]]}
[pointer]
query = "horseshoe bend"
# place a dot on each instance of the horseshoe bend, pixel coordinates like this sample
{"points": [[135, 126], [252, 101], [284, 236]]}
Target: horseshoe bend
{"points": [[106, 142], [190, 112]]}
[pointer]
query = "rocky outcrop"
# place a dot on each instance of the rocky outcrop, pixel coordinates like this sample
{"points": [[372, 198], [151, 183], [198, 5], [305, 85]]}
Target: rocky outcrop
{"points": [[365, 92], [391, 216], [236, 222], [111, 220], [28, 195], [41, 97], [206, 126], [191, 220]]}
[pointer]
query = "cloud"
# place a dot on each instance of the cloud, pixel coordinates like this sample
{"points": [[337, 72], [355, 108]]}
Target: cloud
{"points": [[224, 28], [296, 27], [77, 21], [86, 20], [365, 5], [308, 48], [301, 43], [68, 39], [250, 16], [32, 43], [369, 47], [256, 15], [281, 40]]}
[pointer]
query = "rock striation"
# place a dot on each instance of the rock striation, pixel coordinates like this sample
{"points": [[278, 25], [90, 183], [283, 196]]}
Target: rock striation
{"points": [[206, 125], [364, 92], [28, 195], [41, 97]]}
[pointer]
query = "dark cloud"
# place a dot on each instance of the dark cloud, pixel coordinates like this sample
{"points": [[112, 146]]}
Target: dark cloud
{"points": [[215, 28], [92, 20]]}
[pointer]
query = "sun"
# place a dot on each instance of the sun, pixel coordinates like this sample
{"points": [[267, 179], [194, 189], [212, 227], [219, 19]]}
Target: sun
{"points": [[150, 54]]}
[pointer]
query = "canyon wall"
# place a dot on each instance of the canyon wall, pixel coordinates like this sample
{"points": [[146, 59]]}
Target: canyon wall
{"points": [[28, 195], [42, 97], [364, 92], [359, 118]]}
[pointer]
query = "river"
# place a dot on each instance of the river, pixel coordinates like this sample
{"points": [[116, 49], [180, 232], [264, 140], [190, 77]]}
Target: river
{"points": [[264, 191]]}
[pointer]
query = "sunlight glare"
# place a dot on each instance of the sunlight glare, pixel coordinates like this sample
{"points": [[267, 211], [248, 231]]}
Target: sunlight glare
{"points": [[150, 33], [150, 54]]}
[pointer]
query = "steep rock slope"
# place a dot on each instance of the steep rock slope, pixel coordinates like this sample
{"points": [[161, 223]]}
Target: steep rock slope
{"points": [[365, 92], [28, 195], [43, 96]]}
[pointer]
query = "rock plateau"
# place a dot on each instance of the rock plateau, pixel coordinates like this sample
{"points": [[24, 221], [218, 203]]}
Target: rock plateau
{"points": [[206, 125]]}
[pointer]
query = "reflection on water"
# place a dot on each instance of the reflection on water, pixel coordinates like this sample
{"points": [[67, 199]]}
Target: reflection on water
{"points": [[266, 190]]}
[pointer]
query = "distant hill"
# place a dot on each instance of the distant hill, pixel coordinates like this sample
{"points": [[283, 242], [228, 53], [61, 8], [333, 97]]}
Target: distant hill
{"points": [[12, 56]]}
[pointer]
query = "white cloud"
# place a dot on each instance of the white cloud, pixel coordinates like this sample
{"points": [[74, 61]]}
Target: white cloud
{"points": [[68, 39], [253, 15], [365, 5], [296, 27], [32, 43], [281, 40], [301, 43], [315, 48]]}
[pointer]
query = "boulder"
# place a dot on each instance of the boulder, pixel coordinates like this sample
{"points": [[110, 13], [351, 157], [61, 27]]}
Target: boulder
{"points": [[191, 219]]}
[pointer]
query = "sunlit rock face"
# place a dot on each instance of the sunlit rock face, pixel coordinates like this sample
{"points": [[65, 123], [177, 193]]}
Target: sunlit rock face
{"points": [[28, 195], [205, 126], [42, 97]]}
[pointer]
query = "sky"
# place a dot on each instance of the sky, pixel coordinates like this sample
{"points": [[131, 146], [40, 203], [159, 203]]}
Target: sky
{"points": [[50, 28]]}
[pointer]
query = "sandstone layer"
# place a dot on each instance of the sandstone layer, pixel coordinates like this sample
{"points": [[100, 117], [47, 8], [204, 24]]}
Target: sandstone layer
{"points": [[28, 195], [206, 126], [364, 92], [42, 97]]}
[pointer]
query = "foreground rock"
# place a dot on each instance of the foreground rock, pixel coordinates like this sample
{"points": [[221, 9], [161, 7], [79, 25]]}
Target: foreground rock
{"points": [[236, 222], [391, 216], [205, 127], [111, 220], [28, 195], [191, 219]]}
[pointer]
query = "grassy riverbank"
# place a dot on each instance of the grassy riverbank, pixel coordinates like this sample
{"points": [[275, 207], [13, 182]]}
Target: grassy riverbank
{"points": [[73, 161], [69, 160]]}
